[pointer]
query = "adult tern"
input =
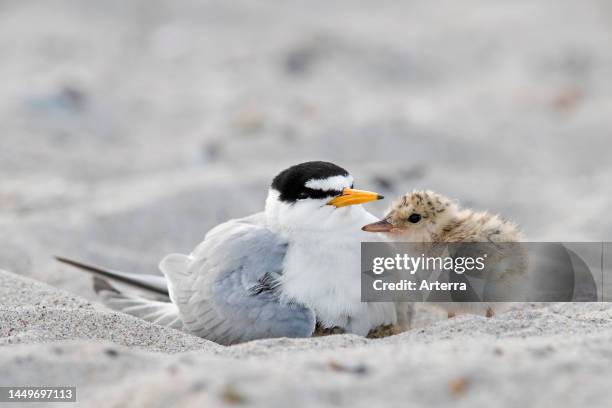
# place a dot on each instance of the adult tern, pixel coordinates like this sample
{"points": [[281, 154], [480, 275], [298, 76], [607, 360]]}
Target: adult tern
{"points": [[277, 273]]}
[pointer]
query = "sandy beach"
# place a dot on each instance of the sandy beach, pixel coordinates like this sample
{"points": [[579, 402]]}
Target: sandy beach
{"points": [[532, 356], [129, 130]]}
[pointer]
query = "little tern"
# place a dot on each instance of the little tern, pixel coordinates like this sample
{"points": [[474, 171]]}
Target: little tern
{"points": [[277, 273]]}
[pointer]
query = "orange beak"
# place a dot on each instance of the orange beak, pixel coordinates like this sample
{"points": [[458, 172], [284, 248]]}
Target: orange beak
{"points": [[351, 196], [380, 226]]}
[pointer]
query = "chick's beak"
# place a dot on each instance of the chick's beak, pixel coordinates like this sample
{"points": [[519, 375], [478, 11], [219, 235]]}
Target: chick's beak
{"points": [[351, 196], [380, 226]]}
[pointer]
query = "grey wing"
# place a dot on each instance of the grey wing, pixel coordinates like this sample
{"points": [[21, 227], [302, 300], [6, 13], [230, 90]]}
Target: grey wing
{"points": [[228, 290]]}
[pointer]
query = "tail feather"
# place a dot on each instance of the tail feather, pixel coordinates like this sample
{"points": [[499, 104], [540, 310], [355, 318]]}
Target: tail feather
{"points": [[175, 267], [101, 285], [152, 283], [162, 313]]}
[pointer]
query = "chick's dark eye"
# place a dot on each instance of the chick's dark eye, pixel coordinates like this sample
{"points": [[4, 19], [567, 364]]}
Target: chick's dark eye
{"points": [[414, 218]]}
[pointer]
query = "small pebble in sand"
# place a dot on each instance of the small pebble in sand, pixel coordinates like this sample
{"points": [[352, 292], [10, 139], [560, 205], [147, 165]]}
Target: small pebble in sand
{"points": [[231, 396], [458, 386], [359, 369]]}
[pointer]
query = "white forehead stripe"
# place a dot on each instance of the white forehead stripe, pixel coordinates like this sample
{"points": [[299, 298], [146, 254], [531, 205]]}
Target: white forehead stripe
{"points": [[330, 183]]}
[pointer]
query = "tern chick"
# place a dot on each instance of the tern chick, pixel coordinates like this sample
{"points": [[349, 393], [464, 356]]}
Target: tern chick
{"points": [[429, 217], [426, 216]]}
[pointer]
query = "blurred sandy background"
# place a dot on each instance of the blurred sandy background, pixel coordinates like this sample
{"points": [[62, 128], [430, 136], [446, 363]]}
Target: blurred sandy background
{"points": [[129, 128]]}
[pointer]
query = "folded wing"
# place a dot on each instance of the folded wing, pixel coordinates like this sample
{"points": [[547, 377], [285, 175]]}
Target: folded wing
{"points": [[227, 290]]}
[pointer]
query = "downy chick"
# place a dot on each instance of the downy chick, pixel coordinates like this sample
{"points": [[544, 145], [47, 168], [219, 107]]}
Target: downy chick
{"points": [[426, 217]]}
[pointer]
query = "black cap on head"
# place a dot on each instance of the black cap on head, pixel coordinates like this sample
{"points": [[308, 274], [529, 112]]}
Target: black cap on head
{"points": [[291, 182]]}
